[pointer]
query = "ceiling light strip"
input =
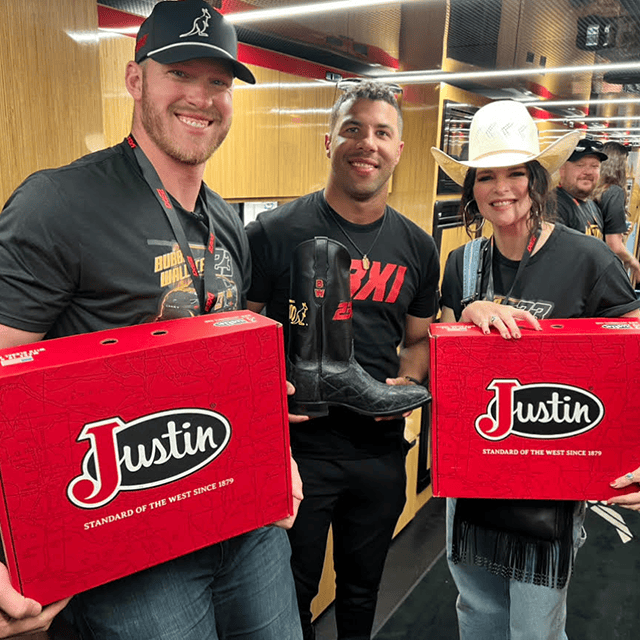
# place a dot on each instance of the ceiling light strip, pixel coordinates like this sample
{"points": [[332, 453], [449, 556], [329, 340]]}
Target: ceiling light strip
{"points": [[594, 119], [422, 77], [583, 102], [293, 11]]}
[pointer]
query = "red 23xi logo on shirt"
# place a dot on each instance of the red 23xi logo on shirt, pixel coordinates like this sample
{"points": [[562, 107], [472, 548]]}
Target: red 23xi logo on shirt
{"points": [[373, 283]]}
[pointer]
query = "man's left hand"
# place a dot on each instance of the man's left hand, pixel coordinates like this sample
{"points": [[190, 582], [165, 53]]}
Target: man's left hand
{"points": [[296, 488], [401, 382], [293, 417]]}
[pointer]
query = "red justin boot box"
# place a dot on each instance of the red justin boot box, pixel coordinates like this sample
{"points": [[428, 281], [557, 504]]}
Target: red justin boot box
{"points": [[126, 448], [553, 415]]}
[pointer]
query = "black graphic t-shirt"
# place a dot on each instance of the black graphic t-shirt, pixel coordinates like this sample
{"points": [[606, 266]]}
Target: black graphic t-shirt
{"points": [[87, 247], [612, 205], [571, 276], [402, 280], [584, 216]]}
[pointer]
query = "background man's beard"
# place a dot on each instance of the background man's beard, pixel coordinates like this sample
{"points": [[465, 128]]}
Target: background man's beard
{"points": [[581, 194]]}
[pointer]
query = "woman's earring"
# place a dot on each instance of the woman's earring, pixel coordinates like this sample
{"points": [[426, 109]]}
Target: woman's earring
{"points": [[473, 226]]}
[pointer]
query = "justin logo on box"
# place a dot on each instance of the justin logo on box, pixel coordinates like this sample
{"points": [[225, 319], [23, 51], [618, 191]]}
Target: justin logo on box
{"points": [[542, 410], [148, 452]]}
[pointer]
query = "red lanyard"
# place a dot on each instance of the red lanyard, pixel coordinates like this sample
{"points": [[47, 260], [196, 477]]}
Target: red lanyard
{"points": [[202, 284], [531, 244]]}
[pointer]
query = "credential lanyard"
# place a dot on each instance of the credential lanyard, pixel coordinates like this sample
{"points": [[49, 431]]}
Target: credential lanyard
{"points": [[531, 245], [202, 284]]}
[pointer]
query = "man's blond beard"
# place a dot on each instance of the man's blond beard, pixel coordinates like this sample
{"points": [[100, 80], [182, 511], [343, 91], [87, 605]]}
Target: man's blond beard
{"points": [[154, 127]]}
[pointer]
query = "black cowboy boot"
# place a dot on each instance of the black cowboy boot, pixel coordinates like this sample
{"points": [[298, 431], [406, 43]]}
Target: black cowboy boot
{"points": [[320, 360]]}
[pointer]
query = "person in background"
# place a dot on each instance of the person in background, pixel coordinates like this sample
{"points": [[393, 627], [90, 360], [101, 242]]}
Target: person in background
{"points": [[79, 247], [578, 178], [353, 466], [610, 195], [511, 576]]}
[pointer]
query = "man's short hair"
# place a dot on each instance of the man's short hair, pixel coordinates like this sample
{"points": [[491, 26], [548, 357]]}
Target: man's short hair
{"points": [[366, 90]]}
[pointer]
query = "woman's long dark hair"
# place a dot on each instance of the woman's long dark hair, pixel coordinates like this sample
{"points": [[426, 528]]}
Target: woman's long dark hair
{"points": [[613, 170], [539, 182]]}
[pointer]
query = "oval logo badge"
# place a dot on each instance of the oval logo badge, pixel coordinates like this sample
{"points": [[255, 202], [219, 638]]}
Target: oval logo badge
{"points": [[150, 451], [541, 410]]}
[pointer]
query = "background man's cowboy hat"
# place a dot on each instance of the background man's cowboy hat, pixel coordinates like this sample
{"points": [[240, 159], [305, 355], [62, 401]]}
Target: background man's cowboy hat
{"points": [[503, 134]]}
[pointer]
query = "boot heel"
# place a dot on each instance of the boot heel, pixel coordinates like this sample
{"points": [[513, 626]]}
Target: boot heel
{"points": [[311, 409]]}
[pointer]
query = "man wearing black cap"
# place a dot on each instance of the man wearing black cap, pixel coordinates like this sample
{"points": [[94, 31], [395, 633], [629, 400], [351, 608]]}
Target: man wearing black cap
{"points": [[82, 249], [578, 178]]}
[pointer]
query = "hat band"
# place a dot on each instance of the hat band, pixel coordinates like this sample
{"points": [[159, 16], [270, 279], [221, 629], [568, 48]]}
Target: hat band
{"points": [[190, 44], [502, 152]]}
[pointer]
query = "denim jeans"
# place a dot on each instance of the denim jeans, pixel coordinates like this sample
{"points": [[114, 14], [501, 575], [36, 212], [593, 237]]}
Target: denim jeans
{"points": [[240, 588], [491, 607]]}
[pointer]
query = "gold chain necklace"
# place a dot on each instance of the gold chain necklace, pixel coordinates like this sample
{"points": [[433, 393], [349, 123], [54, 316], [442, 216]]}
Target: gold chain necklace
{"points": [[366, 263]]}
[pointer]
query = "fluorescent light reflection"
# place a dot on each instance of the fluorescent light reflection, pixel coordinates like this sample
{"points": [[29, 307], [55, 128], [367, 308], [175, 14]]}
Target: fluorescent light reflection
{"points": [[84, 37], [306, 10], [301, 112], [424, 77], [316, 84], [126, 31], [620, 132], [582, 103], [579, 119]]}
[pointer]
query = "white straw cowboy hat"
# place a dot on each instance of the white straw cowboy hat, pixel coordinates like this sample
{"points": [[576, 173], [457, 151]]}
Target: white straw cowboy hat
{"points": [[503, 134]]}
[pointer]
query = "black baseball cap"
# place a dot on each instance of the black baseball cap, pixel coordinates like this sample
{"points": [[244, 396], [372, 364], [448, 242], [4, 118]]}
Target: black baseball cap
{"points": [[588, 147], [179, 31]]}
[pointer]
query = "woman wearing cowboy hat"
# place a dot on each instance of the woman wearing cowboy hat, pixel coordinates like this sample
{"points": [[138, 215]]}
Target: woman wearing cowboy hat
{"points": [[512, 559]]}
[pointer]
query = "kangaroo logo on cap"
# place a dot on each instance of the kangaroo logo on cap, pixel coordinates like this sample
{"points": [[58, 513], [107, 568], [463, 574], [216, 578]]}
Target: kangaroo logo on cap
{"points": [[200, 25]]}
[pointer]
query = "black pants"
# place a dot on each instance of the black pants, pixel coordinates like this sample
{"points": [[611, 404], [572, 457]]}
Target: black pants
{"points": [[363, 500]]}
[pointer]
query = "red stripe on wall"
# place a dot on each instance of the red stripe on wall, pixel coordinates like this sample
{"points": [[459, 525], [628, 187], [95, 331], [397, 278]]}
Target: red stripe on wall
{"points": [[109, 18]]}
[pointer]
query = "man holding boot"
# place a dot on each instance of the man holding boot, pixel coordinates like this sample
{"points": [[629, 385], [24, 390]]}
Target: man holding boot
{"points": [[352, 464]]}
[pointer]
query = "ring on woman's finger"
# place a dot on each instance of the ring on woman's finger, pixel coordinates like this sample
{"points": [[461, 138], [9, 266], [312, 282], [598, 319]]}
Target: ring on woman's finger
{"points": [[492, 319], [629, 476]]}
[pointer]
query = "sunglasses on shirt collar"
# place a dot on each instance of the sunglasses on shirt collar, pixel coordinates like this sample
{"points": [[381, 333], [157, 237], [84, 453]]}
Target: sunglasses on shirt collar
{"points": [[346, 84]]}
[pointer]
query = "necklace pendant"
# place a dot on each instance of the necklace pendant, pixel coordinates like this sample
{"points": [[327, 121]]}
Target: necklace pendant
{"points": [[366, 263]]}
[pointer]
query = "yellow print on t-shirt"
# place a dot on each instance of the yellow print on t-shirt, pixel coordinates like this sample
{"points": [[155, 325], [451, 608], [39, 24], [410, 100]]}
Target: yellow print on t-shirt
{"points": [[173, 268], [594, 230]]}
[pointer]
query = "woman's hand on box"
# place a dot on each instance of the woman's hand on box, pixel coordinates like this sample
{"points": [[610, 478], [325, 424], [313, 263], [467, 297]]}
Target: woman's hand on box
{"points": [[630, 500], [502, 317]]}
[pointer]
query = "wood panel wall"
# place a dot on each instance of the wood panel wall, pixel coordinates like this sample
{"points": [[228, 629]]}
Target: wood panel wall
{"points": [[117, 104], [275, 149], [415, 175], [50, 102]]}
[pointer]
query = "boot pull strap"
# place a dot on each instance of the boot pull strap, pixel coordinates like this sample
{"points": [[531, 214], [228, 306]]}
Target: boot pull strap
{"points": [[321, 267]]}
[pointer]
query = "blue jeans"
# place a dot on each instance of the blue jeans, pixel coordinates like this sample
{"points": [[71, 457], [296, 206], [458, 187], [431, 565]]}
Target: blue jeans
{"points": [[240, 588], [491, 607]]}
